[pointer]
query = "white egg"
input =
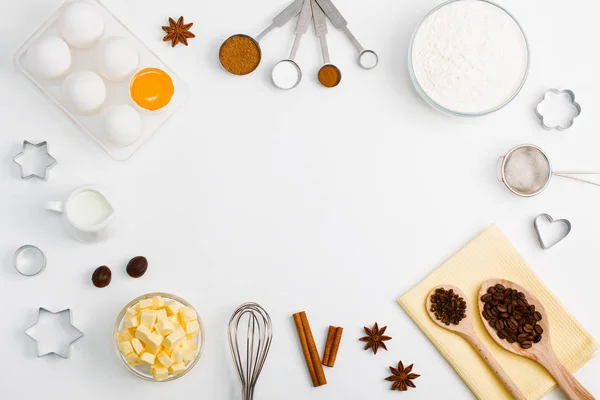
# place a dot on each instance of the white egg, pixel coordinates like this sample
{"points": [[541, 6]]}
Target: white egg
{"points": [[49, 57], [81, 24], [118, 58], [122, 125], [85, 91]]}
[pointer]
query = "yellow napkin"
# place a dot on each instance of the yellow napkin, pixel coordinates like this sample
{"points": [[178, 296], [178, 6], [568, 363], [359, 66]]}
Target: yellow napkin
{"points": [[490, 255]]}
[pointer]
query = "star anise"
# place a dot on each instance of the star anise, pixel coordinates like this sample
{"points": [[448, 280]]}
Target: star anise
{"points": [[402, 378], [178, 32], [375, 338]]}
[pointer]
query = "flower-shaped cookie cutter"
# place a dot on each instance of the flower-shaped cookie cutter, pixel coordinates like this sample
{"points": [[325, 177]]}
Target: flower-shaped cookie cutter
{"points": [[540, 112]]}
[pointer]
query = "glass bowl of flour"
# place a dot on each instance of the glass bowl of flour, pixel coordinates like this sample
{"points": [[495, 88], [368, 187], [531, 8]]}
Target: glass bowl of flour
{"points": [[468, 58]]}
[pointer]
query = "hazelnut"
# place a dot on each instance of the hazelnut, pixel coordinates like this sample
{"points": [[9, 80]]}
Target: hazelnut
{"points": [[102, 276], [137, 266]]}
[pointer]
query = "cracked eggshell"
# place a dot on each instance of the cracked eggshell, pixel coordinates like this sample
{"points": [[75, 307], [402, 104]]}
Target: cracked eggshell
{"points": [[81, 25], [49, 57], [85, 91]]}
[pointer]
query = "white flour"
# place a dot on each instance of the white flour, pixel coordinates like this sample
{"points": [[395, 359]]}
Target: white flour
{"points": [[470, 56]]}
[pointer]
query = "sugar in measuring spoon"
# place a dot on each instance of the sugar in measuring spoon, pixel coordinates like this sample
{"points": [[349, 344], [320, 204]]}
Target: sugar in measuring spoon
{"points": [[287, 73], [329, 75], [243, 62], [367, 59]]}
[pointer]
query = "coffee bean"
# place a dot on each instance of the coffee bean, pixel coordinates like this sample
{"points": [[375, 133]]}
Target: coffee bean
{"points": [[498, 296], [486, 297], [102, 276], [137, 266], [528, 328], [499, 325], [537, 339], [495, 312], [538, 329], [491, 290], [511, 339], [504, 315], [501, 308], [499, 287], [537, 315], [501, 334], [526, 344]]}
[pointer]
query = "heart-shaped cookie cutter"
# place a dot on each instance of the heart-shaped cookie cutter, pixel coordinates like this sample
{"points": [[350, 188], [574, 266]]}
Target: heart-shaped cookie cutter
{"points": [[547, 217]]}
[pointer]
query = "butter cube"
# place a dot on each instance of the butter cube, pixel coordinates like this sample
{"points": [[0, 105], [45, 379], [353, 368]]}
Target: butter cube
{"points": [[188, 345], [158, 302], [125, 348], [131, 312], [148, 318], [174, 319], [159, 373], [133, 359], [164, 359], [177, 369], [131, 322], [191, 326], [148, 359], [142, 332], [177, 355], [124, 335], [138, 347], [161, 315], [187, 314], [154, 342], [167, 351], [174, 338], [192, 336], [172, 308], [165, 327], [189, 355], [145, 303]]}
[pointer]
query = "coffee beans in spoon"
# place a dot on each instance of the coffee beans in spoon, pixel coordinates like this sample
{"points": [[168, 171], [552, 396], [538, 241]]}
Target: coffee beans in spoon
{"points": [[447, 306], [511, 315]]}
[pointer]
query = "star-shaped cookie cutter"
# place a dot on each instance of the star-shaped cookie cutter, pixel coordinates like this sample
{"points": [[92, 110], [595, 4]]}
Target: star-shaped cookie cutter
{"points": [[23, 164], [64, 354]]}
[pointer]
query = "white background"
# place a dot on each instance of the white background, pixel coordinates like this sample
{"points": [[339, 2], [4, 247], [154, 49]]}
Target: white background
{"points": [[331, 201]]}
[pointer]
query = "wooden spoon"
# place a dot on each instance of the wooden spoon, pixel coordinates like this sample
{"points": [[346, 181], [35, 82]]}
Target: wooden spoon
{"points": [[466, 330], [541, 352]]}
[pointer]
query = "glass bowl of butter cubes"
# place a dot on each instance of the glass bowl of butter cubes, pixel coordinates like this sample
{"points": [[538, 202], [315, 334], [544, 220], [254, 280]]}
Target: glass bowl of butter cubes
{"points": [[159, 337]]}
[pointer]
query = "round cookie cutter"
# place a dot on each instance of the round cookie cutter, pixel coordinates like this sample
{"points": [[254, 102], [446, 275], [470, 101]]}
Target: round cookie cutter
{"points": [[29, 260]]}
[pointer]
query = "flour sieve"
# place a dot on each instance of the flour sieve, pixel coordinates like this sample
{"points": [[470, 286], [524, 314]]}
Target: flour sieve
{"points": [[526, 171]]}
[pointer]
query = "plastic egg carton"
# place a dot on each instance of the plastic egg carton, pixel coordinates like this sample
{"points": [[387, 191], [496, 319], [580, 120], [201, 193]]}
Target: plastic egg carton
{"points": [[117, 92]]}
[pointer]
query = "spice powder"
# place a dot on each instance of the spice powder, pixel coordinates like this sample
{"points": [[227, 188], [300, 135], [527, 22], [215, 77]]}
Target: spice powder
{"points": [[240, 54], [329, 76]]}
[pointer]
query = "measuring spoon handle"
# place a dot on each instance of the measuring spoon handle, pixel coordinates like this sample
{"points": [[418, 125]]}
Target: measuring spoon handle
{"points": [[338, 20], [494, 366], [283, 18], [565, 379]]}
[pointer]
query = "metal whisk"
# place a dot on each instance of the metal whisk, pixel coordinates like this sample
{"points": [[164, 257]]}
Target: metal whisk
{"points": [[250, 335]]}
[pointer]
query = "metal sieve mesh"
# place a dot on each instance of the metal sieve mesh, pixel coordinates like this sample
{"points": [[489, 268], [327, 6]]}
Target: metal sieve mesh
{"points": [[526, 170]]}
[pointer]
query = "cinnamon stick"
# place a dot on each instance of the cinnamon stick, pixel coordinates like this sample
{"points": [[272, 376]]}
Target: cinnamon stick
{"points": [[304, 343], [329, 345], [336, 346], [312, 350]]}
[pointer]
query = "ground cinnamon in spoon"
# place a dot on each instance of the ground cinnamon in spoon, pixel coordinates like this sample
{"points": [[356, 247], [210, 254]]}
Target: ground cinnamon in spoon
{"points": [[240, 54], [329, 76]]}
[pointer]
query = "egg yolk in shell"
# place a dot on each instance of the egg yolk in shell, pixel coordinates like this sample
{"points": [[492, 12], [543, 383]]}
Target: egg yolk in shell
{"points": [[151, 88]]}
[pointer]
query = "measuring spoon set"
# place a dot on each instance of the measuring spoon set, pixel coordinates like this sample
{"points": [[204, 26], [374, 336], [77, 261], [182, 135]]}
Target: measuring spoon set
{"points": [[287, 74]]}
